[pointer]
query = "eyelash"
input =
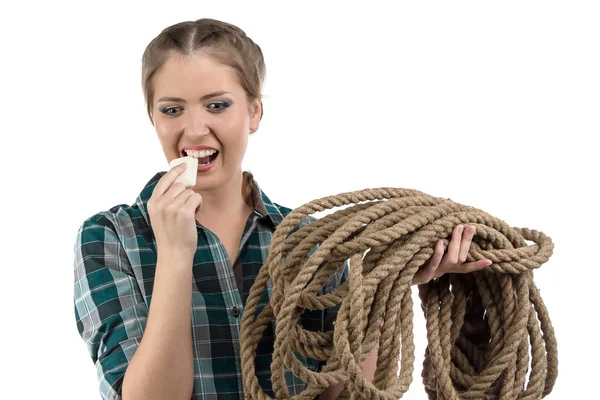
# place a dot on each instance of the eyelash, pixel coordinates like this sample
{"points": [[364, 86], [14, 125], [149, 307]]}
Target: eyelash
{"points": [[165, 110]]}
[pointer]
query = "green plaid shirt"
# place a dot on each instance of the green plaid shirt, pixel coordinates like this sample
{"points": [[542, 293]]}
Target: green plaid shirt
{"points": [[114, 267]]}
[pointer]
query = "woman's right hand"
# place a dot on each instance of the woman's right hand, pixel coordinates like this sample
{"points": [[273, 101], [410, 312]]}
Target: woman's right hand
{"points": [[172, 210]]}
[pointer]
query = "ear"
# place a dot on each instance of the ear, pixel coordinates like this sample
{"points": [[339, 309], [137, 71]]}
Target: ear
{"points": [[256, 115]]}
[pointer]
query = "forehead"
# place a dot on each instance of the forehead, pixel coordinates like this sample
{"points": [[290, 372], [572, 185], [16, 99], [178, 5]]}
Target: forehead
{"points": [[193, 76]]}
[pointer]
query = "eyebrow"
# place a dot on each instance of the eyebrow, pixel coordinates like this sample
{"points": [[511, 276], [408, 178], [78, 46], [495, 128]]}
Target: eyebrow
{"points": [[207, 96]]}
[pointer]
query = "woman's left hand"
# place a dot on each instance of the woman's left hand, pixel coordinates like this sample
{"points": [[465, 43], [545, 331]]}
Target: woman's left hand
{"points": [[454, 260]]}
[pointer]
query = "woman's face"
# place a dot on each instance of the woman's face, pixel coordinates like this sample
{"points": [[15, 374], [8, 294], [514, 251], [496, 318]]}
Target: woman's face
{"points": [[187, 113]]}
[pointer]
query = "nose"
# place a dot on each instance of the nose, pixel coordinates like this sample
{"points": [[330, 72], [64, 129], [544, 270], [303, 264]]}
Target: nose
{"points": [[196, 124]]}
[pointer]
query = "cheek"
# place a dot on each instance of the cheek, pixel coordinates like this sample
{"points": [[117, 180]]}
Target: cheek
{"points": [[241, 144], [235, 148], [165, 130]]}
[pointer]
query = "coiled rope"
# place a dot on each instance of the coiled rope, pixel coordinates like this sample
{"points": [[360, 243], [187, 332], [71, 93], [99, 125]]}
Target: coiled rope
{"points": [[481, 326]]}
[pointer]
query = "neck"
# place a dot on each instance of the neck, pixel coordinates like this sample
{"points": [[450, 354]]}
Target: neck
{"points": [[225, 200]]}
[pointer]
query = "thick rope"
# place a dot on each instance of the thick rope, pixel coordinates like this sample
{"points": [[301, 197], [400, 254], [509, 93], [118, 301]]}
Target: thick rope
{"points": [[481, 327]]}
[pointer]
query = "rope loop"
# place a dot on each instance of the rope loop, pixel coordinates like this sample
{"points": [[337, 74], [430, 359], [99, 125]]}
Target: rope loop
{"points": [[482, 327]]}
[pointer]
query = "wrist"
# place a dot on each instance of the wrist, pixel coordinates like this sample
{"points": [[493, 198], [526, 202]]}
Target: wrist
{"points": [[175, 258]]}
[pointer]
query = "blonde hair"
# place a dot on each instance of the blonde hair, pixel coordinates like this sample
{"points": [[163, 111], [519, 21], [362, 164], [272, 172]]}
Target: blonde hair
{"points": [[225, 43]]}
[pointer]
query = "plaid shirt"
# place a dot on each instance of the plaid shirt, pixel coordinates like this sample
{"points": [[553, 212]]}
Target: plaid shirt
{"points": [[114, 267]]}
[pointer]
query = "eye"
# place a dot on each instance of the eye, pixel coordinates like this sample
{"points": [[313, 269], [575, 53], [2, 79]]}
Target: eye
{"points": [[223, 105], [173, 111], [167, 110]]}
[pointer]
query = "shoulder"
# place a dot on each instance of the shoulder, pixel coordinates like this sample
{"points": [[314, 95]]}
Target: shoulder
{"points": [[303, 222], [106, 251], [123, 220], [342, 274], [97, 242], [110, 233]]}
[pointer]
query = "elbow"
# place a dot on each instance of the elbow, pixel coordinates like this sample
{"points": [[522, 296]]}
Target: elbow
{"points": [[135, 387], [129, 389]]}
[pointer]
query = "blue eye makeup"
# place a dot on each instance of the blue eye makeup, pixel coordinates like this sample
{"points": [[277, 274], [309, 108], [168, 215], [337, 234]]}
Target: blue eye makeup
{"points": [[172, 111]]}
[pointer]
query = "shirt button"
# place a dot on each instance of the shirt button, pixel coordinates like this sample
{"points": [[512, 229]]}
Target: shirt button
{"points": [[235, 312]]}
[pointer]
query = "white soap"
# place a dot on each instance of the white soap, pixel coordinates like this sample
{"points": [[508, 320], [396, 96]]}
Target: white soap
{"points": [[187, 177]]}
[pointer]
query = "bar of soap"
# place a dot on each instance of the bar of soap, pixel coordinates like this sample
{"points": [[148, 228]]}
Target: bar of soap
{"points": [[187, 177]]}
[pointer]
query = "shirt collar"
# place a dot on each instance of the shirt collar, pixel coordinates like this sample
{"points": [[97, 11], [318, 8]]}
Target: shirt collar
{"points": [[263, 206]]}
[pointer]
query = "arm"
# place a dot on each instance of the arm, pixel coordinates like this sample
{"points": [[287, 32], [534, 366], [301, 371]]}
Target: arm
{"points": [[368, 371], [136, 352], [162, 367], [370, 363]]}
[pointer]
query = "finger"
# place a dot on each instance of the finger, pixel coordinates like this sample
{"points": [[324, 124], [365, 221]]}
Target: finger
{"points": [[174, 192], [465, 244], [451, 257], [167, 180], [181, 199], [438, 253], [428, 272], [471, 266], [195, 202]]}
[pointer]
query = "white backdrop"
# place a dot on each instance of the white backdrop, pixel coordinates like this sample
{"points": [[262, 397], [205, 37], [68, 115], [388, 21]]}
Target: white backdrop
{"points": [[491, 105]]}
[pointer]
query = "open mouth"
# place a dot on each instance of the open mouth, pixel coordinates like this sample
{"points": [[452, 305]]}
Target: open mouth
{"points": [[205, 160]]}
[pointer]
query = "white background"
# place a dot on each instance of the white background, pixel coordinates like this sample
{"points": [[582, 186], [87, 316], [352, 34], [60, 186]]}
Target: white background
{"points": [[491, 105]]}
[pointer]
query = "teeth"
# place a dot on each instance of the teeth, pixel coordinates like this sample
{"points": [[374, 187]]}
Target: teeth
{"points": [[200, 154]]}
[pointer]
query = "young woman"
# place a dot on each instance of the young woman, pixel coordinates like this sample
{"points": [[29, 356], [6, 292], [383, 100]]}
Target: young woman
{"points": [[160, 285]]}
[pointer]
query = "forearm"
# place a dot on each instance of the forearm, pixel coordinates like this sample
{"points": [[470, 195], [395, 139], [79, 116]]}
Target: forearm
{"points": [[332, 392], [368, 372], [162, 366]]}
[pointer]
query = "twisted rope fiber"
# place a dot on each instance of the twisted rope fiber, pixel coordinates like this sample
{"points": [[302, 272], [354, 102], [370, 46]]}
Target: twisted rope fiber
{"points": [[482, 327]]}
